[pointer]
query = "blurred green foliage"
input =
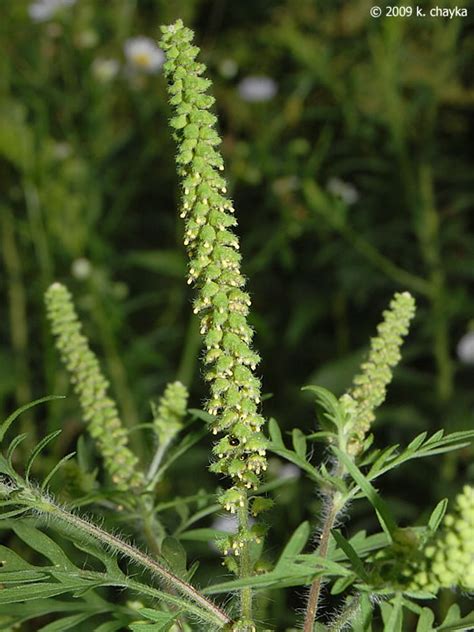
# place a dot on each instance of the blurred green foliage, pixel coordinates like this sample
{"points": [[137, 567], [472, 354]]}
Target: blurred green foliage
{"points": [[351, 182]]}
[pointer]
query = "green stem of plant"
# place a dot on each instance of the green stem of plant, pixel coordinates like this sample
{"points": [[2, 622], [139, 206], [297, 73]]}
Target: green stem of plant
{"points": [[45, 506], [332, 510], [245, 568]]}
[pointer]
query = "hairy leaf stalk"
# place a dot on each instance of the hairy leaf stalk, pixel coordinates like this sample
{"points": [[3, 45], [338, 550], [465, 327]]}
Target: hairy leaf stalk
{"points": [[32, 499], [99, 410], [221, 302]]}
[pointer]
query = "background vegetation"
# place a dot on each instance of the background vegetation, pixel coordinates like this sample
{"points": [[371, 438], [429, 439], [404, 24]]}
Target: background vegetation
{"points": [[345, 139]]}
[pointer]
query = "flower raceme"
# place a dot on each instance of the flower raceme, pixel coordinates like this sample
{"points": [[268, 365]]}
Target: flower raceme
{"points": [[214, 269], [370, 385], [99, 410], [448, 558]]}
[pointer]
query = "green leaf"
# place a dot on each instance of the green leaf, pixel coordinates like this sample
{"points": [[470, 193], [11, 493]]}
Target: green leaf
{"points": [[417, 441], [37, 449], [392, 614], [275, 433], [201, 414], [41, 590], [384, 515], [162, 621], [66, 623], [58, 465], [202, 535], [174, 554], [438, 514], [352, 556], [453, 622], [299, 443], [42, 543], [13, 445], [294, 545], [426, 620], [329, 403], [8, 422]]}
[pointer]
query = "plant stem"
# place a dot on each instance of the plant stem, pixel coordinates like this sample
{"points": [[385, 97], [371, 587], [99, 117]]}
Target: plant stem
{"points": [[46, 506], [245, 568], [315, 592], [155, 464]]}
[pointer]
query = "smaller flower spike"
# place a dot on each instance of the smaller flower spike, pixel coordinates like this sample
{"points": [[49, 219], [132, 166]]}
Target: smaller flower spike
{"points": [[168, 415], [447, 559], [99, 410], [370, 385]]}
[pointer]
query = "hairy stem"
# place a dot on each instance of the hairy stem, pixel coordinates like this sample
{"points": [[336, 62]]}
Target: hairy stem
{"points": [[245, 569], [315, 591], [47, 507], [348, 613]]}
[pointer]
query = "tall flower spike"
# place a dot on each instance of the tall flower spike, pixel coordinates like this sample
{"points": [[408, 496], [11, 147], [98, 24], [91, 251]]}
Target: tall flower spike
{"points": [[214, 269], [98, 409], [370, 385], [221, 300]]}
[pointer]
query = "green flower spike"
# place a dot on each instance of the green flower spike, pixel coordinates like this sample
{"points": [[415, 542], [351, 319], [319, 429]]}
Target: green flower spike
{"points": [[370, 385], [214, 269], [99, 410], [448, 558], [168, 415], [167, 421], [221, 301]]}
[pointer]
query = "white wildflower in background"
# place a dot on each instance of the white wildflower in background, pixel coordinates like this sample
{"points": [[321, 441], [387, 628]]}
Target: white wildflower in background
{"points": [[43, 10], [81, 268], [288, 470], [228, 68], [343, 190], [465, 348], [105, 70], [257, 89], [143, 54], [62, 150]]}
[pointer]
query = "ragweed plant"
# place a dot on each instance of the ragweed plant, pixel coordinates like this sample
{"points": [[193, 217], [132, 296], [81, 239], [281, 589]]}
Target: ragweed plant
{"points": [[392, 569]]}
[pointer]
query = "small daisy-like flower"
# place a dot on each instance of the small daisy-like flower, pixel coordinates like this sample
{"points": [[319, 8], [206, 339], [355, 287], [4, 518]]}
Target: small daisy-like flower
{"points": [[81, 268], [43, 10], [348, 194], [105, 70], [257, 89], [143, 54], [465, 348]]}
